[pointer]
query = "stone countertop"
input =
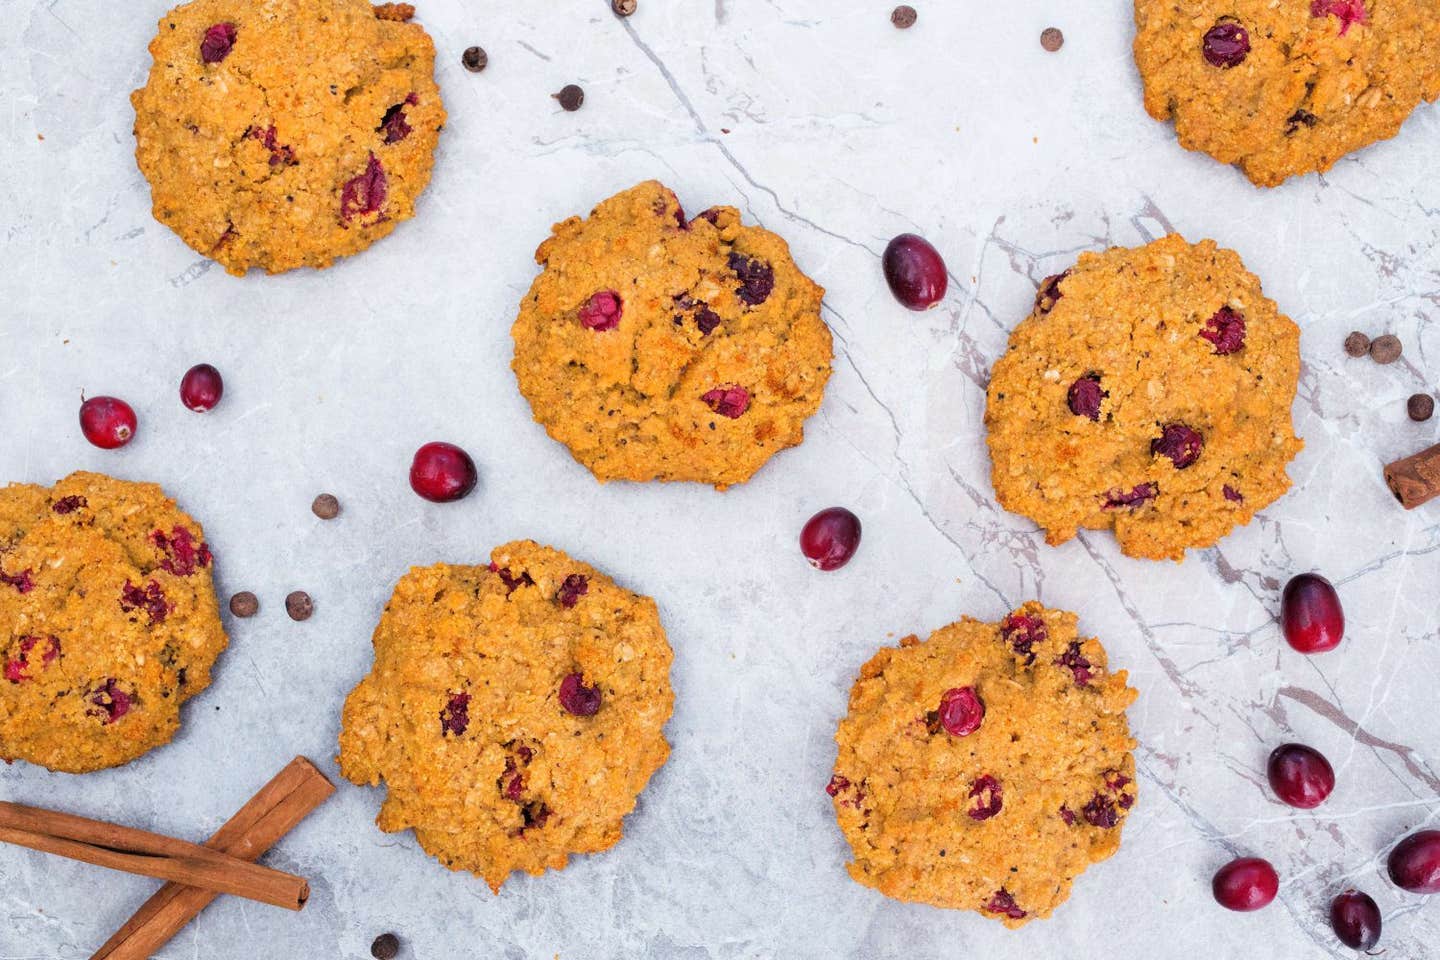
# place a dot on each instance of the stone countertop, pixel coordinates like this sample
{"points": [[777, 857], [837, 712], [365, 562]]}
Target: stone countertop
{"points": [[822, 122]]}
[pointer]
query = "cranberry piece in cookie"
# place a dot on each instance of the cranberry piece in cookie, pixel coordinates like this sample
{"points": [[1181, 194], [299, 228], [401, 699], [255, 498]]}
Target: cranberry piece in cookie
{"points": [[217, 43], [988, 797], [730, 401], [1225, 331], [602, 311], [757, 278], [364, 193], [455, 715], [1348, 12], [961, 711], [575, 586], [1182, 444], [1049, 292], [1226, 44], [1074, 661], [108, 701], [1022, 631], [1085, 395], [1003, 903], [577, 698]]}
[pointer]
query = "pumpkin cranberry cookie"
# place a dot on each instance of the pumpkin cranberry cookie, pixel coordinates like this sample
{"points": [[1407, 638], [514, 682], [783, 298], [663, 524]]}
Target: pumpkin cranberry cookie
{"points": [[286, 133], [1285, 87], [657, 348], [986, 767], [515, 710], [108, 621], [1149, 391]]}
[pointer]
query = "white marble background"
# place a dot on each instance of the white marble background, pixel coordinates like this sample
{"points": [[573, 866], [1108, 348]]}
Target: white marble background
{"points": [[824, 123]]}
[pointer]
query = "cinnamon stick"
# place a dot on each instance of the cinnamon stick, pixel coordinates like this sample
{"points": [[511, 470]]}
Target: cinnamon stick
{"points": [[257, 826], [148, 854], [1415, 479]]}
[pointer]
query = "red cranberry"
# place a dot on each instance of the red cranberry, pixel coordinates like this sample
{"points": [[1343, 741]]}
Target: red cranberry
{"points": [[987, 794], [1356, 919], [1022, 632], [1347, 11], [219, 39], [575, 586], [1085, 396], [1180, 443], [1049, 292], [1310, 614], [730, 400], [1003, 903], [1245, 884], [442, 472], [602, 311], [455, 715], [107, 422], [961, 711], [1300, 775], [1415, 862], [1076, 662], [1233, 495], [915, 271], [1140, 494], [1226, 44], [830, 538], [364, 193], [1100, 812], [757, 278], [1225, 331], [201, 387], [577, 698], [108, 701]]}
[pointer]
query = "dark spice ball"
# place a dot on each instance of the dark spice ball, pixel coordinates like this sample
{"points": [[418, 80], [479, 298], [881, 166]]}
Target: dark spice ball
{"points": [[474, 59], [299, 605], [1052, 39], [244, 604], [1421, 407], [904, 16], [570, 97], [1386, 348], [326, 506], [1357, 344], [385, 947], [622, 8]]}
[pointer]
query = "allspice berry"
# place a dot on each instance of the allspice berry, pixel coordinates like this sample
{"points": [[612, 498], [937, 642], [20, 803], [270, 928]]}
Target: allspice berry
{"points": [[1386, 348], [299, 605], [904, 16], [623, 8], [474, 59], [244, 604], [1051, 39], [570, 97], [1421, 407], [1357, 344]]}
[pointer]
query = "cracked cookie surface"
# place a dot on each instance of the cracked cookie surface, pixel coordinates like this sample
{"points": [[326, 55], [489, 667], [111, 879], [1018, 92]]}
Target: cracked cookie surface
{"points": [[515, 711], [660, 348], [286, 133], [1286, 87], [108, 621], [986, 767], [1149, 391]]}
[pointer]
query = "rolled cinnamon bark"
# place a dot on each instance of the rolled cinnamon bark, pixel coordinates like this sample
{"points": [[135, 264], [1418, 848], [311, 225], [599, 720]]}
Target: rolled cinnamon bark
{"points": [[1416, 479]]}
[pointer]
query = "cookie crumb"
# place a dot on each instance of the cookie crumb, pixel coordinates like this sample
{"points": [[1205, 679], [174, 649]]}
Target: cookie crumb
{"points": [[904, 16], [570, 97], [299, 605], [1357, 344], [398, 12], [474, 59], [385, 947], [1386, 348], [1421, 407], [244, 604], [1052, 39], [623, 8], [326, 506]]}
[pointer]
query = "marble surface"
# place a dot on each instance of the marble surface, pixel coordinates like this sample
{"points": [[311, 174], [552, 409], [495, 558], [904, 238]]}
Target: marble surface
{"points": [[822, 122]]}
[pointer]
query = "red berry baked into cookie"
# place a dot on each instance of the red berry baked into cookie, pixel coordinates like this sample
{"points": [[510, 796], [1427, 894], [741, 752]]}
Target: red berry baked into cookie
{"points": [[1149, 391], [986, 767], [660, 348], [285, 133]]}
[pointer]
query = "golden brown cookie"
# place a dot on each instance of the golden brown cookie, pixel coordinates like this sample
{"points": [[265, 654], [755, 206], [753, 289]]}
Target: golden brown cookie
{"points": [[1284, 87], [1149, 391], [286, 133], [986, 767], [108, 621], [657, 348], [515, 711]]}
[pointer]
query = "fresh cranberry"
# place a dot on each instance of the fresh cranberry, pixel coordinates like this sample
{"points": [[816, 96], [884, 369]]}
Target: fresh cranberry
{"points": [[201, 388], [442, 472], [1137, 496], [577, 698], [915, 271], [730, 400], [1226, 44], [1085, 396], [69, 504], [575, 586], [1348, 12], [455, 715], [1100, 812], [107, 422], [1180, 443], [961, 711], [1004, 904], [1225, 331], [217, 43], [1300, 775], [364, 193], [757, 278], [1049, 292], [986, 793], [1415, 862], [108, 701], [1248, 883], [1074, 661], [1310, 614], [1233, 495], [830, 538], [1356, 919], [1022, 632], [602, 311]]}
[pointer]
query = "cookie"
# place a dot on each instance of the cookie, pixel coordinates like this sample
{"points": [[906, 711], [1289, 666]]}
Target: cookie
{"points": [[660, 348], [515, 711], [1286, 87], [986, 767], [108, 621], [1149, 391], [285, 133]]}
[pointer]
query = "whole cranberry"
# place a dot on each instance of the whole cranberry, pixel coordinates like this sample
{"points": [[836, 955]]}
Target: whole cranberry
{"points": [[961, 711], [1415, 862], [1356, 919], [201, 387], [1226, 44], [1248, 883], [442, 472], [107, 422], [1300, 775], [577, 698], [915, 272], [830, 538], [1310, 614]]}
